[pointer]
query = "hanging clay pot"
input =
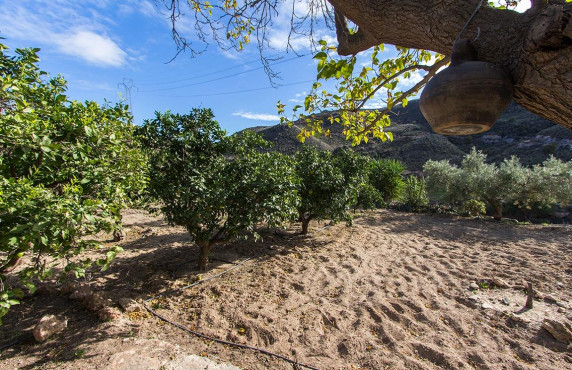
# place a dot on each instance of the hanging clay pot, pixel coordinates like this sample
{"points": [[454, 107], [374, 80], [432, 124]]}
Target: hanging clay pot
{"points": [[468, 96]]}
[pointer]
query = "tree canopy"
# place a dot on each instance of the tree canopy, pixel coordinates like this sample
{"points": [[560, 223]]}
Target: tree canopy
{"points": [[534, 48], [66, 171], [214, 185]]}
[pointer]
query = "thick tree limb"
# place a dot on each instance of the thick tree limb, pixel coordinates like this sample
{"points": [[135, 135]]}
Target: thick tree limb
{"points": [[535, 47]]}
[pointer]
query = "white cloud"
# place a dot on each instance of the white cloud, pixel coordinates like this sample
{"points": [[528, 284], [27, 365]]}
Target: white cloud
{"points": [[93, 48], [257, 116], [298, 98], [415, 77], [66, 27], [279, 36]]}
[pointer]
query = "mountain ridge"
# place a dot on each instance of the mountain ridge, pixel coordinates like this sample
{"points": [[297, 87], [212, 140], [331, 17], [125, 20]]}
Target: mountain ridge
{"points": [[516, 132]]}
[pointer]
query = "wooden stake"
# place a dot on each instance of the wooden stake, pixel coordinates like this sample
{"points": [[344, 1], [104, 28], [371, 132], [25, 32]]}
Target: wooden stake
{"points": [[530, 297]]}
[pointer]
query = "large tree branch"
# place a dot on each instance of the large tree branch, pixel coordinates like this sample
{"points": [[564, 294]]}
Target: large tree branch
{"points": [[534, 47]]}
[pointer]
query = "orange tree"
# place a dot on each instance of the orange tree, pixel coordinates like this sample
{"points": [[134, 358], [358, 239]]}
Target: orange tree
{"points": [[329, 184], [66, 171], [216, 186]]}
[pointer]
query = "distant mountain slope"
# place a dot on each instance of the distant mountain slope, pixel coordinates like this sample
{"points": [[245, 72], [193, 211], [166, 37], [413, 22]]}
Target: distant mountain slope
{"points": [[517, 132]]}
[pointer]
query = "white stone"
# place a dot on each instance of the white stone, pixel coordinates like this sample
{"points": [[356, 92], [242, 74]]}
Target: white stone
{"points": [[487, 306], [48, 326]]}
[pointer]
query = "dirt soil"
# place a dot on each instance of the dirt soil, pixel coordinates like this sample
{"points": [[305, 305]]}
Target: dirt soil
{"points": [[396, 290]]}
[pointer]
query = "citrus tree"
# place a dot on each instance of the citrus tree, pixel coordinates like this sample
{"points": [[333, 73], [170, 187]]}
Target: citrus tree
{"points": [[322, 192], [66, 171], [355, 170], [214, 185]]}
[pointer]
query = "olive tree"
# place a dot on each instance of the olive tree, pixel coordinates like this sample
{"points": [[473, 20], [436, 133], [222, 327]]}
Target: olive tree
{"points": [[215, 185], [510, 182], [66, 171], [474, 179]]}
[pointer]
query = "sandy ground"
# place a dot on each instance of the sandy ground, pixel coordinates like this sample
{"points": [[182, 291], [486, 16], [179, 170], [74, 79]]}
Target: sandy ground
{"points": [[393, 291]]}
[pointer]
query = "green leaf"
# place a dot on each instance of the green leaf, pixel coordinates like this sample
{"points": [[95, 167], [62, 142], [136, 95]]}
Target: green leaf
{"points": [[321, 55]]}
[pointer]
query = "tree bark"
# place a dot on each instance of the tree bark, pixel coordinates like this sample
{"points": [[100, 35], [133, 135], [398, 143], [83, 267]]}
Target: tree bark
{"points": [[305, 224], [497, 206], [534, 48], [205, 250]]}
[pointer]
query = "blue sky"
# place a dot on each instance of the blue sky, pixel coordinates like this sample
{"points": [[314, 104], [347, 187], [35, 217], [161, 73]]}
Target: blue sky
{"points": [[108, 48]]}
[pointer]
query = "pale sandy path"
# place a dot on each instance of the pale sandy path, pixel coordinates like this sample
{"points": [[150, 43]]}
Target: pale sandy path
{"points": [[390, 292]]}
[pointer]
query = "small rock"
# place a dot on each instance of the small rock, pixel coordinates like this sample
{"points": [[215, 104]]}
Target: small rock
{"points": [[560, 284], [487, 306], [549, 298], [95, 302], [561, 331], [500, 282], [81, 292], [129, 305], [474, 298], [505, 301], [48, 326], [473, 286], [561, 310], [561, 304], [521, 320], [108, 313]]}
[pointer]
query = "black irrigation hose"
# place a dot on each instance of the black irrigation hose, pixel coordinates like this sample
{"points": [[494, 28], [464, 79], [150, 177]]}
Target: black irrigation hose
{"points": [[260, 350]]}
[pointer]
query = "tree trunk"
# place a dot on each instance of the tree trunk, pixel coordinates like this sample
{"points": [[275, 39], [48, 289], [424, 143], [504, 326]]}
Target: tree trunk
{"points": [[205, 250], [497, 206], [534, 48], [305, 224]]}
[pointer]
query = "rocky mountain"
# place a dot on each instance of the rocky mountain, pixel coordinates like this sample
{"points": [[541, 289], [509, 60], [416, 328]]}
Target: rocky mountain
{"points": [[517, 132]]}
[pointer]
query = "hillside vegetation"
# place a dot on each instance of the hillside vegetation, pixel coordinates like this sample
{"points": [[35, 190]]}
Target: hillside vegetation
{"points": [[517, 132]]}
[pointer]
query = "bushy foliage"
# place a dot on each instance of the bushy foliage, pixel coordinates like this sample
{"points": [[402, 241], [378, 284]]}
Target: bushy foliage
{"points": [[511, 182], [386, 175], [369, 197], [474, 207], [322, 188], [66, 171], [214, 185], [414, 193], [355, 170]]}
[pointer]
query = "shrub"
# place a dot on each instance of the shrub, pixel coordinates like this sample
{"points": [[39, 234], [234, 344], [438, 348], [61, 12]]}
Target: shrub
{"points": [[474, 207], [386, 176], [415, 193], [214, 185]]}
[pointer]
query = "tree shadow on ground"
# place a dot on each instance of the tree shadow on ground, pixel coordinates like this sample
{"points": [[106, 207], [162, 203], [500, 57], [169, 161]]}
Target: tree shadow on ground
{"points": [[17, 338], [149, 266]]}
